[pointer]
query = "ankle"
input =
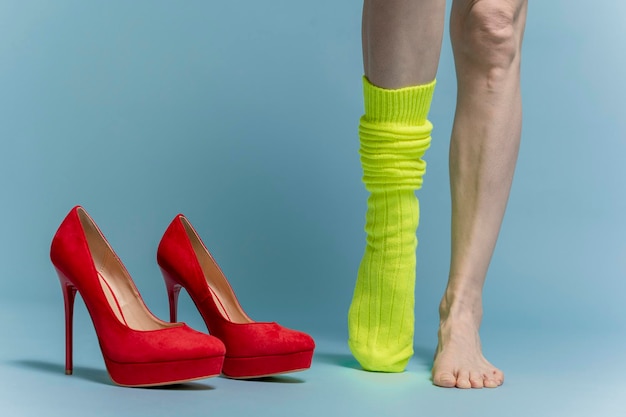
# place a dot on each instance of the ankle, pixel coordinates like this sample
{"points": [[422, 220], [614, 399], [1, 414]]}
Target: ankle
{"points": [[461, 304]]}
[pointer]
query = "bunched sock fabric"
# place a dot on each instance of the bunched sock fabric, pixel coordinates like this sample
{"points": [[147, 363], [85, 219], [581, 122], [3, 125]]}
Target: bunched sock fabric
{"points": [[394, 134]]}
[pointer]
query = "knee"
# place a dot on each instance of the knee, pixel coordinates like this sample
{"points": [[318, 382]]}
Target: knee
{"points": [[487, 33]]}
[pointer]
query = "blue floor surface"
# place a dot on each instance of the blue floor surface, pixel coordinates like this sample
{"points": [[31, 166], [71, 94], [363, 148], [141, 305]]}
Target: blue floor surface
{"points": [[547, 374]]}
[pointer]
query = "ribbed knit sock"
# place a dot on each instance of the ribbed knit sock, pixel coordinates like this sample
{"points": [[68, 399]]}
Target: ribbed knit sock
{"points": [[394, 134]]}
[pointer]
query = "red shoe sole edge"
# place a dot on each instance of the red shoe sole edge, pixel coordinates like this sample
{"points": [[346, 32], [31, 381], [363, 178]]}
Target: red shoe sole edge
{"points": [[163, 373], [263, 366]]}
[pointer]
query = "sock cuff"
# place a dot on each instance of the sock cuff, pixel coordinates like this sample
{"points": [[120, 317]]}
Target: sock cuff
{"points": [[403, 106]]}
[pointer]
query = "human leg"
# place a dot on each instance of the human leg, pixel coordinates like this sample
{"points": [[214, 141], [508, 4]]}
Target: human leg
{"points": [[486, 37], [402, 41], [401, 45]]}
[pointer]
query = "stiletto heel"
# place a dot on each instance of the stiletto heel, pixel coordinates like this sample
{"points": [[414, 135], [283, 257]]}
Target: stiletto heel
{"points": [[173, 290], [138, 348], [253, 349], [69, 294]]}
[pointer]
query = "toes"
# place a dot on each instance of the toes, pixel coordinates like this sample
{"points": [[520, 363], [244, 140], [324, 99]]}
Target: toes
{"points": [[463, 380], [466, 379], [498, 376], [493, 379], [444, 379], [490, 383], [476, 380]]}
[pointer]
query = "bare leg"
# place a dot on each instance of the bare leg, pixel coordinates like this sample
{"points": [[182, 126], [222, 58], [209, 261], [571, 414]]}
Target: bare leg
{"points": [[486, 38], [402, 41]]}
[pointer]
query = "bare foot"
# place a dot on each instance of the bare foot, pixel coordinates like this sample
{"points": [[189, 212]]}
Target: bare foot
{"points": [[459, 361]]}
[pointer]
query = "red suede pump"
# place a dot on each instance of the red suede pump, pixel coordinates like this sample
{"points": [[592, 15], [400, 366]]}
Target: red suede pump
{"points": [[253, 349], [138, 348]]}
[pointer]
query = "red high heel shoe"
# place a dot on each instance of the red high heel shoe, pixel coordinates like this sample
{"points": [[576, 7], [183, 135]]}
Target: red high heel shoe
{"points": [[138, 348], [253, 349]]}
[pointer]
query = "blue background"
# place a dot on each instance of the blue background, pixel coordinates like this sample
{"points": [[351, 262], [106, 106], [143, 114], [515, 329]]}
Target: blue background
{"points": [[243, 115]]}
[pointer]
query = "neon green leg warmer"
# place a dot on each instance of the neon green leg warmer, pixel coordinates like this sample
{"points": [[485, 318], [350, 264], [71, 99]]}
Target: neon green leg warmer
{"points": [[394, 134]]}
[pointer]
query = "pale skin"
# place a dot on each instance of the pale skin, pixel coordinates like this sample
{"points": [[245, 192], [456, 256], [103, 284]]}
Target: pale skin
{"points": [[401, 47]]}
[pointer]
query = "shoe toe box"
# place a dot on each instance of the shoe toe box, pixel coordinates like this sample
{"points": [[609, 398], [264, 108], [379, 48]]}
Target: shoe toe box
{"points": [[266, 339]]}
